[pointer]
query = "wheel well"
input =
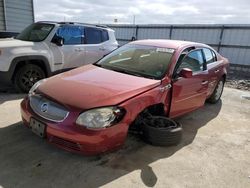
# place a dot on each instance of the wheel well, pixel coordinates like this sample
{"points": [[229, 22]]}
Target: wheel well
{"points": [[37, 62], [155, 109]]}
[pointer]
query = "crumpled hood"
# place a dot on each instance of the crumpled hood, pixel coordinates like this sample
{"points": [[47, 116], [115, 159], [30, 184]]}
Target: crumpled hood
{"points": [[91, 86], [11, 42]]}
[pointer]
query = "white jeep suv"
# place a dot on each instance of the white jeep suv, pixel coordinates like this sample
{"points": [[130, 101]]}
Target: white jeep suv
{"points": [[46, 48]]}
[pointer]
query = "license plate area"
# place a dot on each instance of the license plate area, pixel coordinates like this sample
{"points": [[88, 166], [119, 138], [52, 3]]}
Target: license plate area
{"points": [[37, 127]]}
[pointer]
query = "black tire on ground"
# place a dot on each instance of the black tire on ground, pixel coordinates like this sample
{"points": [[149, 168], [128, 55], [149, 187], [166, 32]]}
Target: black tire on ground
{"points": [[215, 97], [162, 135], [27, 76]]}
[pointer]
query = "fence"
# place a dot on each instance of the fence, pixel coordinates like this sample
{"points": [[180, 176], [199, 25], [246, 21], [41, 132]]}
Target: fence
{"points": [[232, 41]]}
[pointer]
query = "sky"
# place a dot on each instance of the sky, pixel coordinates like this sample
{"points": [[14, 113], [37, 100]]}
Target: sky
{"points": [[145, 11]]}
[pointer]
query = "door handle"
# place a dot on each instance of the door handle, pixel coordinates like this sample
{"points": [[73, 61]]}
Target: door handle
{"points": [[204, 82], [217, 71], [78, 50], [102, 48]]}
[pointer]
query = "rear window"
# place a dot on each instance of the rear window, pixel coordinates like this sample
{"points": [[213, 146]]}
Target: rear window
{"points": [[93, 35], [209, 55], [105, 35]]}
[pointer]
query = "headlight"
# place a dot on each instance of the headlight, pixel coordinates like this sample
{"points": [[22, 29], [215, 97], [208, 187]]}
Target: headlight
{"points": [[35, 86], [100, 117]]}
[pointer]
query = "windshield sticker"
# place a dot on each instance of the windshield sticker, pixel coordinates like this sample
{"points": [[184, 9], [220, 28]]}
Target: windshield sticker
{"points": [[165, 50]]}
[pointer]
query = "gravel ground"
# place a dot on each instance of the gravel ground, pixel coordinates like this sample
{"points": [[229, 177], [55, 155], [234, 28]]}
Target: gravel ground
{"points": [[238, 82], [214, 152]]}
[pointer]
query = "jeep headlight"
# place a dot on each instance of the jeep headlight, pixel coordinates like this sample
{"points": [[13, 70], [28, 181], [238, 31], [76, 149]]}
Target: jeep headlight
{"points": [[100, 117], [35, 86]]}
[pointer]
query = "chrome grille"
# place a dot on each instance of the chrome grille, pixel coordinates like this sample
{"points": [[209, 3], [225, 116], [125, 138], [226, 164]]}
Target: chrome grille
{"points": [[48, 109]]}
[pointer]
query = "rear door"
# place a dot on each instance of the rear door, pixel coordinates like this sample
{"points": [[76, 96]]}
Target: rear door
{"points": [[95, 44], [189, 93], [213, 69]]}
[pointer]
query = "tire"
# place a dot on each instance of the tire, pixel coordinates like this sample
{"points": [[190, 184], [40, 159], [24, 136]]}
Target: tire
{"points": [[27, 76], [162, 135], [215, 97]]}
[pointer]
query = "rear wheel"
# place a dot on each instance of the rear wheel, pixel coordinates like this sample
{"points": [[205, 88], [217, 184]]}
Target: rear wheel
{"points": [[27, 76], [215, 97]]}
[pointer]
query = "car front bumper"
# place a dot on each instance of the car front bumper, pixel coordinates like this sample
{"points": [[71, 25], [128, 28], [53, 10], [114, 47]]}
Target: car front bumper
{"points": [[71, 137]]}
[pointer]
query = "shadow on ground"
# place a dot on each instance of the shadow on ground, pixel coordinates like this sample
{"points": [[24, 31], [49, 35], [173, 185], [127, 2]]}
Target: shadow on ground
{"points": [[28, 161], [10, 97], [8, 93]]}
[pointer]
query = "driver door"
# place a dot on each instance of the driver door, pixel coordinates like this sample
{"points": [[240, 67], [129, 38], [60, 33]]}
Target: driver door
{"points": [[189, 93], [71, 53]]}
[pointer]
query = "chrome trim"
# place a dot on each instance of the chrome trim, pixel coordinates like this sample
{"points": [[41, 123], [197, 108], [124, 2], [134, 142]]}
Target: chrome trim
{"points": [[39, 114], [54, 120]]}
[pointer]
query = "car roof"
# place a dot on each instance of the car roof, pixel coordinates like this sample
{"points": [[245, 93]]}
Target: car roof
{"points": [[164, 43]]}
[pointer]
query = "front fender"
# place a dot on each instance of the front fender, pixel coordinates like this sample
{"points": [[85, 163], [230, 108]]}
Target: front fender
{"points": [[139, 103], [25, 59]]}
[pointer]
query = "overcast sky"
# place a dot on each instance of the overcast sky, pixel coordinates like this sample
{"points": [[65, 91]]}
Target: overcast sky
{"points": [[145, 11]]}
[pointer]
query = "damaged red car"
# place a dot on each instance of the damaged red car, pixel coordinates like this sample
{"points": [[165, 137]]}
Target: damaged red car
{"points": [[90, 109]]}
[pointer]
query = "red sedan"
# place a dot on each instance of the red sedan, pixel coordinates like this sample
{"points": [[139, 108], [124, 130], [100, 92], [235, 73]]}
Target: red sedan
{"points": [[90, 109]]}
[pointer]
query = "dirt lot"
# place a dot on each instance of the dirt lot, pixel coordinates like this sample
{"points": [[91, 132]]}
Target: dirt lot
{"points": [[214, 152]]}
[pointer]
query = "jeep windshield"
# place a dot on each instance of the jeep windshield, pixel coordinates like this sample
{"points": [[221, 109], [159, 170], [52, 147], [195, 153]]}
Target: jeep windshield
{"points": [[36, 32], [139, 60]]}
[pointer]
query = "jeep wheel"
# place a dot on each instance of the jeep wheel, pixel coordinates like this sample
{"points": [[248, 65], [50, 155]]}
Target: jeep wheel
{"points": [[215, 97], [27, 76]]}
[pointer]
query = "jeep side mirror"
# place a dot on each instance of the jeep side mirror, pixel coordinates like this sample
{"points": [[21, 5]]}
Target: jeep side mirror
{"points": [[57, 40], [186, 73]]}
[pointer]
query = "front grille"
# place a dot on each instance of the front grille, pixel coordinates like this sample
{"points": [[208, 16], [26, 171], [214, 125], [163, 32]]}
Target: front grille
{"points": [[65, 143], [48, 109]]}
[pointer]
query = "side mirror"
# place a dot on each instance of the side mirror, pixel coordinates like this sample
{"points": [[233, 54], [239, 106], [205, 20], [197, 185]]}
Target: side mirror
{"points": [[186, 73], [57, 40]]}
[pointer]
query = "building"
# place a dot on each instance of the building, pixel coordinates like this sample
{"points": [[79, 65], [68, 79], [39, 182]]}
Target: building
{"points": [[15, 15]]}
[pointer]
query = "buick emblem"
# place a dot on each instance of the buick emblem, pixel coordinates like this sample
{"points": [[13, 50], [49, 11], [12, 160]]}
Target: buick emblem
{"points": [[44, 107]]}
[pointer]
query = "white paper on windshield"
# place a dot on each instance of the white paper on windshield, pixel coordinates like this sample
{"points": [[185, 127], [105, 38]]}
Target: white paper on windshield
{"points": [[165, 50]]}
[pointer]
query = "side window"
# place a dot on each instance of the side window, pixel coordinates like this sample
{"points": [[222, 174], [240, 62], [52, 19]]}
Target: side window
{"points": [[105, 35], [194, 61], [209, 55], [93, 35], [71, 34]]}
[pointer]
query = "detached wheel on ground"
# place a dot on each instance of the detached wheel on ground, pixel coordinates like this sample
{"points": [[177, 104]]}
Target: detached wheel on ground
{"points": [[27, 76], [161, 131], [215, 97]]}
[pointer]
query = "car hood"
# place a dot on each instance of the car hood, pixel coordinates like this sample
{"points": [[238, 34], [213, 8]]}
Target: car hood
{"points": [[91, 86], [11, 42]]}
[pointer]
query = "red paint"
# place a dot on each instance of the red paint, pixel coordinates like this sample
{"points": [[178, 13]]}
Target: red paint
{"points": [[91, 86]]}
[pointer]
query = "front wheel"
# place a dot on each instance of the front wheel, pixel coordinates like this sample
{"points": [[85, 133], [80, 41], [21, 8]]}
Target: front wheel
{"points": [[27, 76], [215, 97]]}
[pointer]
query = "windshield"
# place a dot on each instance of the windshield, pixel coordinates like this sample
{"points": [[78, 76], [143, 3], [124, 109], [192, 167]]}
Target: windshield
{"points": [[146, 61], [36, 32]]}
